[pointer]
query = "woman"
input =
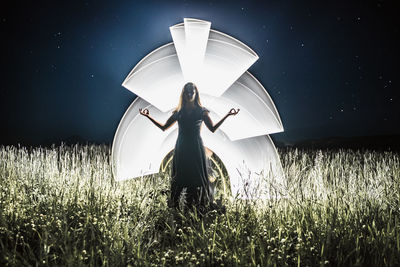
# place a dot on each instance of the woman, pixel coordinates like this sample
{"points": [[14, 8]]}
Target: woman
{"points": [[189, 167]]}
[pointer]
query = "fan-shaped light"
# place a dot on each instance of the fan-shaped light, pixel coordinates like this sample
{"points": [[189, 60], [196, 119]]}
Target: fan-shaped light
{"points": [[217, 63]]}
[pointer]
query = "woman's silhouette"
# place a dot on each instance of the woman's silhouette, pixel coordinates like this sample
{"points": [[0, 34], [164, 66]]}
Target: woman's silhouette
{"points": [[189, 164]]}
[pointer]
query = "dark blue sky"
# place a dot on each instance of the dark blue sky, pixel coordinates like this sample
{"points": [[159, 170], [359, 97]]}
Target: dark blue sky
{"points": [[329, 66]]}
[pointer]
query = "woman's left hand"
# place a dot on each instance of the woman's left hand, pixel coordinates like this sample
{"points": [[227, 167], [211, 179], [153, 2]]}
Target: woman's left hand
{"points": [[233, 111]]}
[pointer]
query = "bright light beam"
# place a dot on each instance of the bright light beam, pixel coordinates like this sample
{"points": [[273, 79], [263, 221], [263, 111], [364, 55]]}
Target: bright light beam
{"points": [[217, 63]]}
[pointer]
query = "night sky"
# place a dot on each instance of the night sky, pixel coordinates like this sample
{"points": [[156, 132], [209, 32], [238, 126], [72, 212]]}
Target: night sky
{"points": [[329, 66]]}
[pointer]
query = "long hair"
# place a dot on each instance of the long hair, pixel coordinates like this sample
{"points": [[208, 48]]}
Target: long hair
{"points": [[182, 100]]}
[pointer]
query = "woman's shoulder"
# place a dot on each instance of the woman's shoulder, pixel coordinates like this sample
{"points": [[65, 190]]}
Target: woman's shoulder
{"points": [[204, 109], [204, 112], [175, 113]]}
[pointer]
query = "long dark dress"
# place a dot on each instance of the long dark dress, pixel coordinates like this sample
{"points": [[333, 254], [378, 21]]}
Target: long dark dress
{"points": [[189, 164]]}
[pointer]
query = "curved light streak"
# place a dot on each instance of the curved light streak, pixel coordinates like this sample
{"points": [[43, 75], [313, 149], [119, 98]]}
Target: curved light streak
{"points": [[218, 64]]}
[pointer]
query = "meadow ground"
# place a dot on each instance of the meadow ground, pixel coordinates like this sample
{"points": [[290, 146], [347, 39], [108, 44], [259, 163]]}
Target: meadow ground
{"points": [[61, 207]]}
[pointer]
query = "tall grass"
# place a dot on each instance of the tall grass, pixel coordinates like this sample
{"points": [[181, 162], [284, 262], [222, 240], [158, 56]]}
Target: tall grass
{"points": [[60, 206]]}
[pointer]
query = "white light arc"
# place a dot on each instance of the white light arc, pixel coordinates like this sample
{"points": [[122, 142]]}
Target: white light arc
{"points": [[217, 63]]}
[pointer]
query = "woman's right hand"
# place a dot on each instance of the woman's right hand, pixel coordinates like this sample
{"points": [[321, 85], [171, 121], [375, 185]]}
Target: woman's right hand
{"points": [[144, 112], [233, 111]]}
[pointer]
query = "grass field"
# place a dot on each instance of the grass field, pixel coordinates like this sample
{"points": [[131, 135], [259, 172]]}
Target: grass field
{"points": [[60, 206]]}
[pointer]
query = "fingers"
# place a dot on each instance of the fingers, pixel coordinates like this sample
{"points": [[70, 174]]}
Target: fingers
{"points": [[144, 112], [234, 111]]}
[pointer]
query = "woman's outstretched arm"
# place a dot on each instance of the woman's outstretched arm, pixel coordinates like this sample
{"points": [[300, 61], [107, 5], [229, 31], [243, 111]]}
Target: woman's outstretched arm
{"points": [[171, 120], [208, 122]]}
